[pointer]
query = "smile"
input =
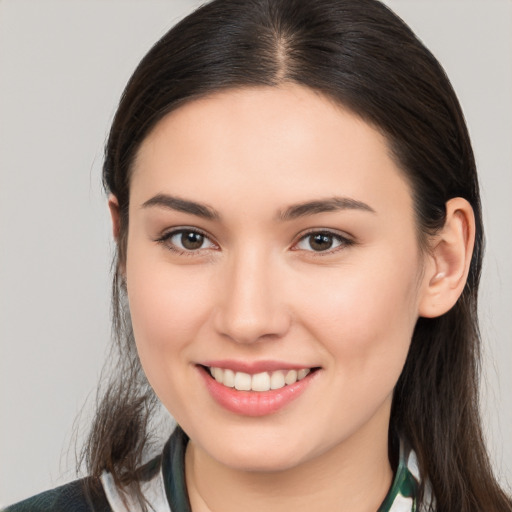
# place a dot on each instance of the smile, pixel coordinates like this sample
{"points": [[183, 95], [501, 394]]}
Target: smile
{"points": [[254, 392], [264, 381]]}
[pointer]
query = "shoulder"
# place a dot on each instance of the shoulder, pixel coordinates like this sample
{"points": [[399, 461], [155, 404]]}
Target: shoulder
{"points": [[160, 483], [84, 495]]}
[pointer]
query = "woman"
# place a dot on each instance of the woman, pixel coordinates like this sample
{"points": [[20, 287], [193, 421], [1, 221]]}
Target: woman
{"points": [[296, 209]]}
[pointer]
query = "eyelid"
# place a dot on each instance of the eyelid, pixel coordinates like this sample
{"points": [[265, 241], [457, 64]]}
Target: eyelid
{"points": [[345, 239], [166, 236]]}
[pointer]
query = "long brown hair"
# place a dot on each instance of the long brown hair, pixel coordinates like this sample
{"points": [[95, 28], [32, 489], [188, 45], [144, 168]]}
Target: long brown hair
{"points": [[363, 56]]}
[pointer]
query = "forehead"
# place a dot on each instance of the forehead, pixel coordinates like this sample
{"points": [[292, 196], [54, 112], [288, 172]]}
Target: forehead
{"points": [[287, 143]]}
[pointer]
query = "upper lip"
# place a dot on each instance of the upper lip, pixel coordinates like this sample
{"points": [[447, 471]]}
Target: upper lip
{"points": [[253, 367]]}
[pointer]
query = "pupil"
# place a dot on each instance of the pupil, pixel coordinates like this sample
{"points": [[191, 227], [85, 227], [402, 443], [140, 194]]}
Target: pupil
{"points": [[191, 240], [321, 242]]}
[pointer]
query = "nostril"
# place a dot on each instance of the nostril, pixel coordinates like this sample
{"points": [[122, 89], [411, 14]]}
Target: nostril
{"points": [[256, 325]]}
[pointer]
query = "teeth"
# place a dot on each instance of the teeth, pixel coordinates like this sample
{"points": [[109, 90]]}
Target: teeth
{"points": [[302, 373], [263, 381], [242, 381], [277, 380], [218, 374], [228, 378], [291, 377], [260, 382]]}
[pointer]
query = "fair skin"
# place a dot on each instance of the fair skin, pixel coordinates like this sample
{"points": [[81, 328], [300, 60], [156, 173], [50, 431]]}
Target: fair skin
{"points": [[241, 286]]}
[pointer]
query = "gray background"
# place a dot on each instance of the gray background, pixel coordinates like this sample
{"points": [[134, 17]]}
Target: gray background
{"points": [[63, 65]]}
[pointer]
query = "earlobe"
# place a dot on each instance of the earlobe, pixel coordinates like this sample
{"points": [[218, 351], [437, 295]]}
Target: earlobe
{"points": [[449, 260], [113, 206]]}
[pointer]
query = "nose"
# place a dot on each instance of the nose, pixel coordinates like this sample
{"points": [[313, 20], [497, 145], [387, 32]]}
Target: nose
{"points": [[250, 302]]}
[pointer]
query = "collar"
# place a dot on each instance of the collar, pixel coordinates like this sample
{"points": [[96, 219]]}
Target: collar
{"points": [[404, 490]]}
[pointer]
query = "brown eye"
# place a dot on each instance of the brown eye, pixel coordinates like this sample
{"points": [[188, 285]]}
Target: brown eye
{"points": [[187, 240], [322, 241], [191, 240]]}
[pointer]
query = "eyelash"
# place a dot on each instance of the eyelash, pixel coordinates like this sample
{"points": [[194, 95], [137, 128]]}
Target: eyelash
{"points": [[343, 241], [165, 240]]}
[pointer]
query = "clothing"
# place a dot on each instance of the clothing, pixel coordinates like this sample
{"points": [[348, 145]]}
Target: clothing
{"points": [[163, 484]]}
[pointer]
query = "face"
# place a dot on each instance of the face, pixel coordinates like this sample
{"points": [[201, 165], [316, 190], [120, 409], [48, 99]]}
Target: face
{"points": [[273, 275]]}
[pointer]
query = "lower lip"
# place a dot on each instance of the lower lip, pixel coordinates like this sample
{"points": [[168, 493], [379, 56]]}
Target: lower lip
{"points": [[254, 403]]}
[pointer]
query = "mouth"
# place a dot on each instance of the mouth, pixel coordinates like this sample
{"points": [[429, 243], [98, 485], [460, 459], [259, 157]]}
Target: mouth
{"points": [[255, 392], [259, 382]]}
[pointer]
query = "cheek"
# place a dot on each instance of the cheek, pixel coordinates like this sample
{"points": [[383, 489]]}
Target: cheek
{"points": [[167, 308], [365, 315], [167, 311]]}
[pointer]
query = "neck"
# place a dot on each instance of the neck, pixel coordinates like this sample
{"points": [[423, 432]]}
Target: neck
{"points": [[354, 476]]}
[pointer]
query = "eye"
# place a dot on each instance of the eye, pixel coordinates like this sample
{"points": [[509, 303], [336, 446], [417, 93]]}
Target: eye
{"points": [[322, 241], [186, 240]]}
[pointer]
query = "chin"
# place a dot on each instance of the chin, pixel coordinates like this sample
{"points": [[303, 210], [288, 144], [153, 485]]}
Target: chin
{"points": [[260, 450], [253, 462]]}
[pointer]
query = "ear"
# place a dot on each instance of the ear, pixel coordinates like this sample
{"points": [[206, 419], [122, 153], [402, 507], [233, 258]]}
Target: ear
{"points": [[115, 214], [113, 205], [449, 259]]}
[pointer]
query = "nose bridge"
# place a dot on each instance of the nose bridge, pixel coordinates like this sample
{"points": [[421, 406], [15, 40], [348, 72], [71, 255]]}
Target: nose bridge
{"points": [[251, 303]]}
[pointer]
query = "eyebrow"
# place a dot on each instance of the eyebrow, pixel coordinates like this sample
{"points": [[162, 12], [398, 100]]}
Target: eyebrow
{"points": [[183, 205], [321, 206], [292, 212]]}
